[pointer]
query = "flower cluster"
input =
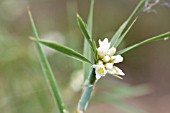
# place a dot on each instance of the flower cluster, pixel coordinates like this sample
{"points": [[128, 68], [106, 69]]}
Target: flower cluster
{"points": [[106, 60]]}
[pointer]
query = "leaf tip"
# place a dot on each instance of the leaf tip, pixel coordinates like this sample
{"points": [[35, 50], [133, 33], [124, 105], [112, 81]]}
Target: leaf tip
{"points": [[29, 11], [78, 16], [33, 38]]}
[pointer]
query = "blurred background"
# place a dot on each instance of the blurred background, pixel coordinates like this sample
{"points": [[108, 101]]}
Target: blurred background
{"points": [[23, 89]]}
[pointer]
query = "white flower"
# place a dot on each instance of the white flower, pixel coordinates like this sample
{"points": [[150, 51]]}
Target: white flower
{"points": [[104, 44], [103, 48], [106, 60], [100, 71]]}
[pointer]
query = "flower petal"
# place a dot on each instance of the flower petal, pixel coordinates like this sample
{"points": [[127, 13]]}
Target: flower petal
{"points": [[111, 71], [101, 52], [99, 70], [104, 44], [109, 66], [111, 51], [98, 76], [117, 58], [118, 71]]}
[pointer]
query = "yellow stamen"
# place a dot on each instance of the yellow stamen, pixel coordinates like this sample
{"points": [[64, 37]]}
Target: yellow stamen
{"points": [[100, 70]]}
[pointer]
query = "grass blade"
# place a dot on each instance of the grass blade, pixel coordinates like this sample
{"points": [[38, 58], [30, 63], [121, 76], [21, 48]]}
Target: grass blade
{"points": [[124, 34], [90, 18], [84, 31], [65, 50], [159, 37], [87, 52], [119, 32], [47, 70]]}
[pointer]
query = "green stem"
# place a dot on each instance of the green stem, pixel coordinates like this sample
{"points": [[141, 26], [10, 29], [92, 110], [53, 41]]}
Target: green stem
{"points": [[83, 102]]}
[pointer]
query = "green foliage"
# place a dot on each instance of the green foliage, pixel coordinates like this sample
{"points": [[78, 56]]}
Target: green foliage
{"points": [[124, 34], [65, 50], [84, 31], [86, 51], [117, 37], [159, 37], [89, 43], [49, 76]]}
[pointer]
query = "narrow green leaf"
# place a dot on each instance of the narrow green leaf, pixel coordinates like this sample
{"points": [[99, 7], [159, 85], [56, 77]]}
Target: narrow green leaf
{"points": [[87, 52], [85, 32], [124, 34], [90, 19], [65, 50], [49, 76], [83, 29], [119, 32], [159, 37]]}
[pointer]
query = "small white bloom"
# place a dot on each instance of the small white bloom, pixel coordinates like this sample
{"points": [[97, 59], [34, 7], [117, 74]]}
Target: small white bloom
{"points": [[103, 48], [104, 44], [111, 51], [106, 59], [117, 58], [100, 71]]}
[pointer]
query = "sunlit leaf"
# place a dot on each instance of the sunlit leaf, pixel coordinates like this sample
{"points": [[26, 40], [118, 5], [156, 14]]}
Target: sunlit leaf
{"points": [[159, 37], [124, 34], [49, 76], [84, 29], [119, 32], [65, 50]]}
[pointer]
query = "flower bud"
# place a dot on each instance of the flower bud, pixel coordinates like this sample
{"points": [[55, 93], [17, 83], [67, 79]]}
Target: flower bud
{"points": [[111, 51], [106, 59], [101, 52], [100, 62]]}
